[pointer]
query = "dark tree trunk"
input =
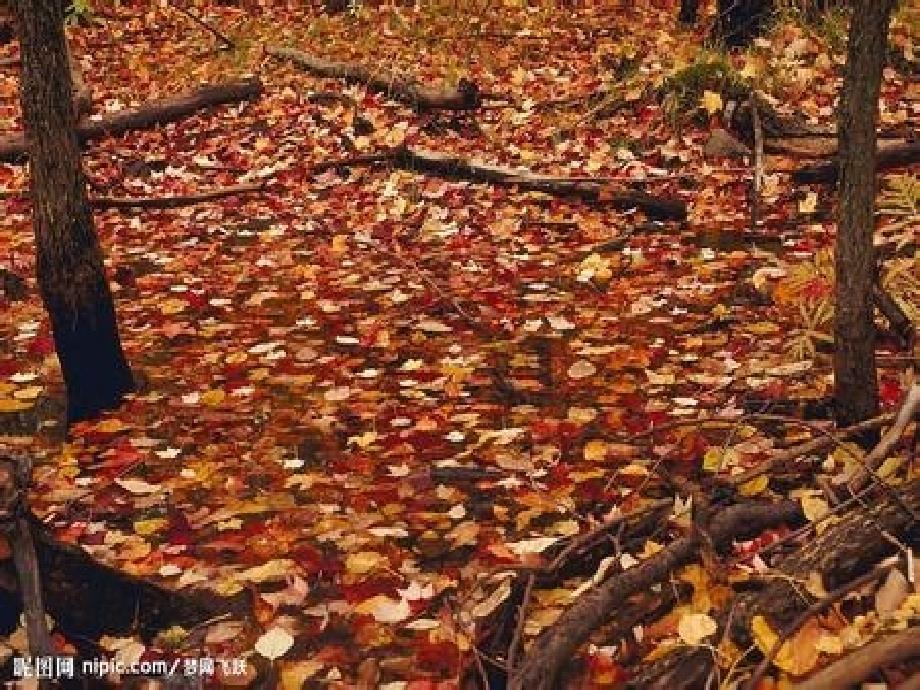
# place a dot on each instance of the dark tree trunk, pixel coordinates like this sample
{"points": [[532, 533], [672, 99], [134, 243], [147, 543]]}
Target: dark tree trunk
{"points": [[71, 275], [856, 387], [739, 21], [689, 10]]}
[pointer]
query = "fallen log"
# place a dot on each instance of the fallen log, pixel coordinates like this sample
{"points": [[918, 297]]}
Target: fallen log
{"points": [[160, 111], [465, 96], [888, 157], [456, 167]]}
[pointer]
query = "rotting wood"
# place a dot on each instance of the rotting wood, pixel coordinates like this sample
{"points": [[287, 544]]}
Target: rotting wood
{"points": [[465, 96], [13, 147]]}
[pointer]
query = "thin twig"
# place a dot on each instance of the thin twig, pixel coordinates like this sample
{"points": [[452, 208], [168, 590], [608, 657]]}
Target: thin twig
{"points": [[519, 624], [223, 39]]}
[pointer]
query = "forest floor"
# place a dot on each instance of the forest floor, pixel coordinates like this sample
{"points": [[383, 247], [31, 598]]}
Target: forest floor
{"points": [[365, 392]]}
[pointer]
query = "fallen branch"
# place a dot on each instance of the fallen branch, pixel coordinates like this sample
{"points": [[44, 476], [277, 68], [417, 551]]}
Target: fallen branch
{"points": [[840, 554], [457, 167], [465, 96], [156, 112], [900, 323], [888, 157], [454, 167], [225, 42], [908, 412], [855, 667], [175, 201], [815, 445], [557, 644]]}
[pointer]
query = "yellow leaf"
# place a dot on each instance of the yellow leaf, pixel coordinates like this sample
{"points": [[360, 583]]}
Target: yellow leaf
{"points": [[809, 204], [28, 393], [890, 466], [595, 451], [716, 458], [814, 507], [148, 527], [384, 609], [693, 628], [7, 405], [799, 654], [764, 637], [111, 426], [755, 486], [172, 306], [273, 571], [339, 244], [294, 674], [213, 397], [762, 327], [712, 102], [829, 644], [363, 562]]}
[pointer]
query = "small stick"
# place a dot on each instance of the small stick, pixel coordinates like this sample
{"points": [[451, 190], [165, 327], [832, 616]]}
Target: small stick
{"points": [[519, 626], [909, 409], [758, 162], [223, 39]]}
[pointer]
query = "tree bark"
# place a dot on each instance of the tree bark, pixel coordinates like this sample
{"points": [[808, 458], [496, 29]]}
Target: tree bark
{"points": [[70, 269], [856, 386]]}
